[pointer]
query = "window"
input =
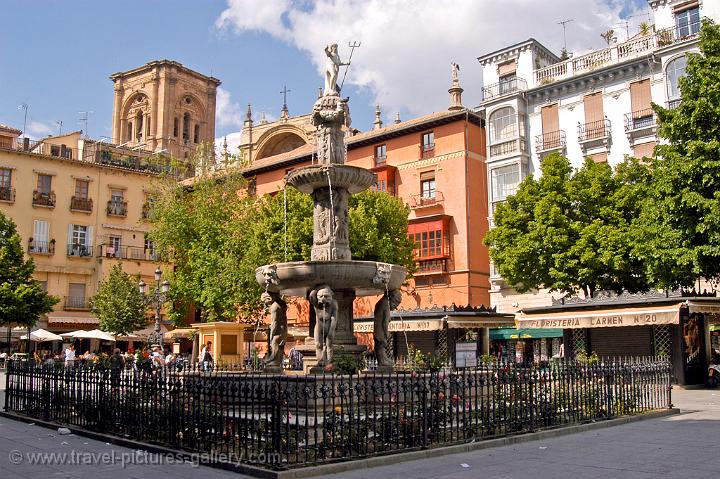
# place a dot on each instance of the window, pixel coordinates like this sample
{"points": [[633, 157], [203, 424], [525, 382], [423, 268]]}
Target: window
{"points": [[428, 141], [504, 181], [196, 136], [76, 296], [503, 124], [128, 136], [5, 178], [186, 127], [380, 154], [117, 197], [176, 126], [508, 83], [44, 184], [139, 126], [43, 285], [427, 184], [688, 22], [113, 248], [673, 72], [429, 238], [40, 239], [81, 189], [79, 235]]}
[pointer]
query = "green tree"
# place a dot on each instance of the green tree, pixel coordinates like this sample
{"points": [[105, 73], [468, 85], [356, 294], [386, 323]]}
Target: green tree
{"points": [[572, 230], [217, 236], [680, 227], [22, 299], [118, 303]]}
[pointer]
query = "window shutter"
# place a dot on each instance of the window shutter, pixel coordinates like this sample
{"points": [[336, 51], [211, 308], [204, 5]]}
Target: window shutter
{"points": [[593, 107], [90, 237], [686, 6], [550, 118], [70, 234], [640, 95], [507, 68], [427, 175]]}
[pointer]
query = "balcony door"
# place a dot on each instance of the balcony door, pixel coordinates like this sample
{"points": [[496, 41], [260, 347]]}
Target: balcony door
{"points": [[41, 233]]}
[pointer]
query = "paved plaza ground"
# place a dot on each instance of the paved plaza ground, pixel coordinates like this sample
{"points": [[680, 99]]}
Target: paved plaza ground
{"points": [[683, 445]]}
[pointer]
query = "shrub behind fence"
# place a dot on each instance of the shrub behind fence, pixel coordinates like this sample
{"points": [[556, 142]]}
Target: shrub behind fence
{"points": [[293, 421]]}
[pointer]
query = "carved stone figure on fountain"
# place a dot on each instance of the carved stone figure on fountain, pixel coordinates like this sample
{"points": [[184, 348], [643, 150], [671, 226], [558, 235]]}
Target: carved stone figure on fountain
{"points": [[326, 311], [381, 334], [277, 308], [332, 69]]}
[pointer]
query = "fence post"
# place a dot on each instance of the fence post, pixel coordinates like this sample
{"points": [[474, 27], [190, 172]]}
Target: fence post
{"points": [[277, 418]]}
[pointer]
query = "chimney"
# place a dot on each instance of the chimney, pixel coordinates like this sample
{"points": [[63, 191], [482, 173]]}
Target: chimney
{"points": [[397, 117]]}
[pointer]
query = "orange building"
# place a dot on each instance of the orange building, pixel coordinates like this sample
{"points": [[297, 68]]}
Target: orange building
{"points": [[436, 164]]}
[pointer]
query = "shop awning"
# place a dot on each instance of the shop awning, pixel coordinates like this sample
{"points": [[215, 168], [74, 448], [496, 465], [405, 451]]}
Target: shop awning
{"points": [[703, 307], [605, 318], [512, 333], [72, 320], [472, 323], [397, 325]]}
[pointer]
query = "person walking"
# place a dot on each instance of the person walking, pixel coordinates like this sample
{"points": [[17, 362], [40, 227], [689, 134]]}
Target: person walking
{"points": [[206, 358], [70, 356]]}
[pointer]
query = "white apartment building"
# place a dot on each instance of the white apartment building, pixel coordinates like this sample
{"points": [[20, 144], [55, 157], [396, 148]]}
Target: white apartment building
{"points": [[596, 104]]}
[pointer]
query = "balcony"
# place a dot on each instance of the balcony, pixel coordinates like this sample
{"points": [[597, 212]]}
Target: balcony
{"points": [[380, 160], [79, 250], [514, 146], [503, 88], [423, 201], [595, 133], [640, 124], [7, 195], [77, 303], [45, 199], [116, 208], [84, 205], [672, 104], [41, 247], [146, 209], [431, 266], [137, 253], [550, 141], [427, 151], [633, 48]]}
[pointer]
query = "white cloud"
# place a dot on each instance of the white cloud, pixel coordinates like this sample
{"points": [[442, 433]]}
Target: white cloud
{"points": [[39, 129], [227, 112], [408, 45]]}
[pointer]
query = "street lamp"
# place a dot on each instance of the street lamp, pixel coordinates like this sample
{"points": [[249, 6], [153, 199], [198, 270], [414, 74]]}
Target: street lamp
{"points": [[156, 298]]}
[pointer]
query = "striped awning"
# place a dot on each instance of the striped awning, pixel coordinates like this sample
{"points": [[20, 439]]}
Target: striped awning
{"points": [[72, 320], [703, 307], [604, 318]]}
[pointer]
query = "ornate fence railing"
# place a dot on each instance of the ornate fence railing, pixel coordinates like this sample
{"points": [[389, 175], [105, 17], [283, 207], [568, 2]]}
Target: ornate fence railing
{"points": [[292, 421]]}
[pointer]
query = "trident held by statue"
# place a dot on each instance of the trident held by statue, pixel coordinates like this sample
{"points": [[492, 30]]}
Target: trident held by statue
{"points": [[352, 46]]}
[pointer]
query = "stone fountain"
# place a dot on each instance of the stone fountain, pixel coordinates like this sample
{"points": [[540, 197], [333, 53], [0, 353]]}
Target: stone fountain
{"points": [[331, 280]]}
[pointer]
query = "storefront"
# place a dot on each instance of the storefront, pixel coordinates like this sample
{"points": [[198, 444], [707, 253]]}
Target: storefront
{"points": [[526, 346], [674, 325], [460, 334]]}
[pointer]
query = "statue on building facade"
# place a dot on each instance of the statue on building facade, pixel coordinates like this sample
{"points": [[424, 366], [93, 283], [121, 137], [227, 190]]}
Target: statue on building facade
{"points": [[277, 308], [454, 69], [326, 311], [381, 334]]}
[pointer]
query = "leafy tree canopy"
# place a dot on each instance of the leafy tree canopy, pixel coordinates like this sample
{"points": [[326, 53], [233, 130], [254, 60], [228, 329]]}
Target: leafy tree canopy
{"points": [[217, 236], [680, 224], [572, 230], [22, 299], [118, 303]]}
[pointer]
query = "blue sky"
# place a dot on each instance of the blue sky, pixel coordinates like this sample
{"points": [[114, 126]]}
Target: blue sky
{"points": [[57, 55]]}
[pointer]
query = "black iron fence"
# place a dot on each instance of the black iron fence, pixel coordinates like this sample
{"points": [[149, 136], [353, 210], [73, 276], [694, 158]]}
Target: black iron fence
{"points": [[293, 421]]}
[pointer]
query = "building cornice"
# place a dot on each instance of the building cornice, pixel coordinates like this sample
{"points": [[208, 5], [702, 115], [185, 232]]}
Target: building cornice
{"points": [[514, 50]]}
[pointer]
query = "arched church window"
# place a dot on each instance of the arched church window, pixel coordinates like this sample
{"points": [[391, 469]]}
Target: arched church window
{"points": [[196, 136], [139, 126], [176, 126], [186, 127]]}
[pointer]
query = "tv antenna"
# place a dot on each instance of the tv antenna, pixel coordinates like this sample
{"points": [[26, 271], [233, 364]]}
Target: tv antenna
{"points": [[84, 119], [59, 123], [563, 23], [353, 45]]}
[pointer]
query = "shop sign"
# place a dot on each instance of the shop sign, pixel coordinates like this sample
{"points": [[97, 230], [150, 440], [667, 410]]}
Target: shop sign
{"points": [[601, 319], [399, 326]]}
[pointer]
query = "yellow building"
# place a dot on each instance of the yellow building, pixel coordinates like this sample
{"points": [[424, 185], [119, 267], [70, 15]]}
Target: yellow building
{"points": [[80, 205]]}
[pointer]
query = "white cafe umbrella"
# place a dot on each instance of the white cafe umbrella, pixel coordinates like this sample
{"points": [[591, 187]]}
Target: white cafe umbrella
{"points": [[95, 334], [73, 334], [41, 335]]}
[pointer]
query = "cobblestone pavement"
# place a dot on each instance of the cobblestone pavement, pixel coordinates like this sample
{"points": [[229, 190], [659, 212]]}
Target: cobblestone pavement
{"points": [[677, 446]]}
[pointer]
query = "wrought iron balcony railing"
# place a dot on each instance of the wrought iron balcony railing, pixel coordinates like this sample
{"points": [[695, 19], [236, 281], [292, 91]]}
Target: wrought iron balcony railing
{"points": [[425, 201], [77, 303], [117, 208], [79, 250], [138, 253], [44, 198], [7, 194], [640, 119], [81, 204], [550, 141], [41, 247], [595, 130], [504, 87]]}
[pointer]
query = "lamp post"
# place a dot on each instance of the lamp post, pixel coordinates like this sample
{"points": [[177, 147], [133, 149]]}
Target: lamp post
{"points": [[156, 298]]}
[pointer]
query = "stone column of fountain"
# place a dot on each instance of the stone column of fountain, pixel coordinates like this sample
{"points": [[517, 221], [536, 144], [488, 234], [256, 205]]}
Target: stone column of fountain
{"points": [[331, 182]]}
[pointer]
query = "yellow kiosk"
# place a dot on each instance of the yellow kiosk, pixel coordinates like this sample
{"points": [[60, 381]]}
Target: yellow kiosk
{"points": [[226, 341]]}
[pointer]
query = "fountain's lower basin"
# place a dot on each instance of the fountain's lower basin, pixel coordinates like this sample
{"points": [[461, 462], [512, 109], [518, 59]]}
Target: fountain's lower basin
{"points": [[297, 278]]}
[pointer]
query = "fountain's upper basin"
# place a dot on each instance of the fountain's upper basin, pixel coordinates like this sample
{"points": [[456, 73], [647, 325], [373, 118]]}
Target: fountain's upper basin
{"points": [[297, 278], [310, 178]]}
